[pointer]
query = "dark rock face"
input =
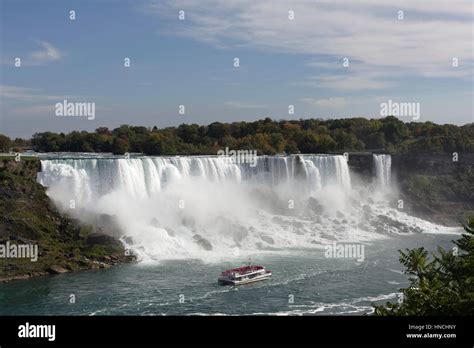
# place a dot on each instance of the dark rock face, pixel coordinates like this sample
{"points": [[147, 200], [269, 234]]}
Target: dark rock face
{"points": [[432, 186], [431, 164], [362, 163], [102, 239], [436, 187]]}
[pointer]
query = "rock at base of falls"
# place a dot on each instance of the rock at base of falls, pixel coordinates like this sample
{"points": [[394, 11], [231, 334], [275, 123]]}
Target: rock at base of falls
{"points": [[315, 206], [107, 224], [366, 212], [328, 236], [267, 239], [239, 233], [202, 242], [384, 223], [55, 269], [170, 232], [229, 228], [128, 240], [339, 214], [188, 221]]}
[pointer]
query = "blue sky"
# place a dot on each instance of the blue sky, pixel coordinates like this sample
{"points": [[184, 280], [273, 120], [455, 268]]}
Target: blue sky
{"points": [[190, 62]]}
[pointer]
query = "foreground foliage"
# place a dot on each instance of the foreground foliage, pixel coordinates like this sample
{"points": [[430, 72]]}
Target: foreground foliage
{"points": [[443, 285]]}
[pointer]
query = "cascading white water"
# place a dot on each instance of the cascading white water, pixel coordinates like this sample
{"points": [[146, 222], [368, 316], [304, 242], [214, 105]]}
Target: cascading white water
{"points": [[90, 179], [178, 206], [383, 169], [209, 207]]}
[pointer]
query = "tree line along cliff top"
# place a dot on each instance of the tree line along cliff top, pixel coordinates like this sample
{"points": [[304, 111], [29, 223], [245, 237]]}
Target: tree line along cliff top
{"points": [[267, 136]]}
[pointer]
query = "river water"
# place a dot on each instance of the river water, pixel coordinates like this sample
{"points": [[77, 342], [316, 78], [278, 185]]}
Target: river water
{"points": [[189, 218], [303, 283]]}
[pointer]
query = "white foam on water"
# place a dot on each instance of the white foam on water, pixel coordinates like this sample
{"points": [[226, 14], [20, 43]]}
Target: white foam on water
{"points": [[353, 306], [342, 307]]}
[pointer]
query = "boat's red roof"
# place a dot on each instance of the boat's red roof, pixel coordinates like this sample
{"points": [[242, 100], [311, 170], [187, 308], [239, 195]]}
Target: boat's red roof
{"points": [[243, 270]]}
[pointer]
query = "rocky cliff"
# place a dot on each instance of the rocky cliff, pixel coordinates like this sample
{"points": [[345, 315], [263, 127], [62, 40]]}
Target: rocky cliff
{"points": [[28, 218], [438, 187]]}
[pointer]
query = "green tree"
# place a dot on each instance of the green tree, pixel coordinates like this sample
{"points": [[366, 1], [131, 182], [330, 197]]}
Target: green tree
{"points": [[188, 132], [103, 131], [346, 141], [307, 142], [154, 145], [49, 142], [325, 143], [269, 137], [376, 140], [394, 129], [278, 142], [218, 130], [5, 143], [443, 285], [120, 146]]}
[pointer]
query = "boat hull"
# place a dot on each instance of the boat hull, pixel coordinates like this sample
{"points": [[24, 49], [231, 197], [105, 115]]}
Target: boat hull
{"points": [[226, 281]]}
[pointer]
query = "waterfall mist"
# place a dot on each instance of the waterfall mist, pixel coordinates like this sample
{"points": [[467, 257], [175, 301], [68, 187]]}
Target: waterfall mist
{"points": [[211, 208]]}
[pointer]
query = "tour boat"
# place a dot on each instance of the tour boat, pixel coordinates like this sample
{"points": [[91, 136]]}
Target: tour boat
{"points": [[244, 275]]}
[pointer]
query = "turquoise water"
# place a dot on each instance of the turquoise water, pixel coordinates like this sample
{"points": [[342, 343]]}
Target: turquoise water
{"points": [[303, 283]]}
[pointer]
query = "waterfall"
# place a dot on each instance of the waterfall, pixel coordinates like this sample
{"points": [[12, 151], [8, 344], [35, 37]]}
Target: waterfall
{"points": [[214, 208], [204, 206], [91, 178], [383, 167]]}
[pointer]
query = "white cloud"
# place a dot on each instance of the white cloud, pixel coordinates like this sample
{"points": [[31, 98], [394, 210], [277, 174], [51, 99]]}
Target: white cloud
{"points": [[23, 101], [47, 54], [367, 32], [26, 94], [336, 102], [34, 110], [350, 82], [243, 105]]}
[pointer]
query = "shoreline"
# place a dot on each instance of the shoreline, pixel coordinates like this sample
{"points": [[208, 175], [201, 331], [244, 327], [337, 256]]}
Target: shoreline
{"points": [[55, 270]]}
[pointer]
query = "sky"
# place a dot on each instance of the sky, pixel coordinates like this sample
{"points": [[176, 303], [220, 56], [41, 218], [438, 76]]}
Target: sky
{"points": [[327, 59]]}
